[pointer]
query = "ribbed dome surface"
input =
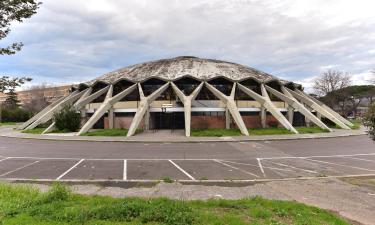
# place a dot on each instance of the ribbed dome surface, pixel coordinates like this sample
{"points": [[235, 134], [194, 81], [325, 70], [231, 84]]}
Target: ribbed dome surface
{"points": [[175, 68]]}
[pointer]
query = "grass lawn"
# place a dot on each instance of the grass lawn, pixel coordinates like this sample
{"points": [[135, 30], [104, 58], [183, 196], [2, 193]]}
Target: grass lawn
{"points": [[7, 123], [356, 125], [107, 132], [40, 130], [23, 205], [110, 132], [257, 131]]}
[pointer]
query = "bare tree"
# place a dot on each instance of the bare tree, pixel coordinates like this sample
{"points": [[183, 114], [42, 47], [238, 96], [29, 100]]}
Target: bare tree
{"points": [[39, 97], [331, 80]]}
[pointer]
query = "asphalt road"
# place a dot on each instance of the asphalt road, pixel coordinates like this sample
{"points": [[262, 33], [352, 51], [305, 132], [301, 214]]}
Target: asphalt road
{"points": [[75, 160]]}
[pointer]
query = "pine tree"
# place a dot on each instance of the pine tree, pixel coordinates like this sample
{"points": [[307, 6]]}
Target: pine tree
{"points": [[11, 101]]}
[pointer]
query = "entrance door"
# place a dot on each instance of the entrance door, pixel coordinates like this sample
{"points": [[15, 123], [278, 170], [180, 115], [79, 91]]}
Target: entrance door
{"points": [[169, 121]]}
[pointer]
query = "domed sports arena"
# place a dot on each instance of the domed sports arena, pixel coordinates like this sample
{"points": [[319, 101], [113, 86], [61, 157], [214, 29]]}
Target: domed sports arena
{"points": [[190, 93]]}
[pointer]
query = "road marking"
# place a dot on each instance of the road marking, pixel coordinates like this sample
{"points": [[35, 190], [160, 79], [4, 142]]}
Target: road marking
{"points": [[125, 176], [293, 167], [160, 159], [3, 159], [317, 156], [337, 164], [261, 167], [182, 170], [97, 159], [189, 181], [20, 168], [248, 164], [236, 168], [367, 160], [70, 169]]}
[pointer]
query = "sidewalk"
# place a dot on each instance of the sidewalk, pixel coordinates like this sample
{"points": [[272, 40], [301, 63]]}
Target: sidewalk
{"points": [[176, 136]]}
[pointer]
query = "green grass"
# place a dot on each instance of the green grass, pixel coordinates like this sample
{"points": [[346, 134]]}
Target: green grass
{"points": [[356, 125], [22, 205], [110, 132], [34, 131], [257, 131], [215, 132], [107, 132], [40, 130], [7, 123]]}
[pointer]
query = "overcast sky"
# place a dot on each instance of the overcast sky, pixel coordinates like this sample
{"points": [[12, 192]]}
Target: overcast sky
{"points": [[77, 40]]}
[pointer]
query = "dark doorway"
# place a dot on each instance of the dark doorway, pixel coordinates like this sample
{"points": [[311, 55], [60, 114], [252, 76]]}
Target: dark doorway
{"points": [[163, 120]]}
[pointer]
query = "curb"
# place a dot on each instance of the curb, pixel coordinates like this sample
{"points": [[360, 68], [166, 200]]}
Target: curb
{"points": [[137, 183], [283, 138]]}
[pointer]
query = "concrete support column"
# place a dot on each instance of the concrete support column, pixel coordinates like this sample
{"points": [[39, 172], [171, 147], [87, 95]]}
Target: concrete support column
{"points": [[49, 114], [105, 106], [319, 116], [41, 113], [263, 117], [290, 114], [328, 109], [266, 102], [111, 118], [312, 104], [294, 104], [144, 106], [227, 119], [147, 120], [187, 101], [231, 106]]}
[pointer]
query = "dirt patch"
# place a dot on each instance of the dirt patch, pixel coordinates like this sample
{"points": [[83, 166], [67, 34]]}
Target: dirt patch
{"points": [[365, 182]]}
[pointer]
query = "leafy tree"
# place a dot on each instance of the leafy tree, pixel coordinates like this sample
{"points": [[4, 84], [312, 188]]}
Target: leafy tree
{"points": [[349, 98], [12, 11], [369, 121], [329, 81]]}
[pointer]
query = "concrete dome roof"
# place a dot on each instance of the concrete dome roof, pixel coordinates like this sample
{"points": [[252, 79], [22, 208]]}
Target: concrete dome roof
{"points": [[176, 68]]}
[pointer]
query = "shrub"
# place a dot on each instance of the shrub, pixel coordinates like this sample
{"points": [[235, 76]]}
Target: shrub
{"points": [[369, 121], [67, 119], [15, 115]]}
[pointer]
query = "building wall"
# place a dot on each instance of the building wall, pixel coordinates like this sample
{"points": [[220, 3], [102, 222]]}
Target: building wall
{"points": [[122, 122], [200, 122], [207, 122], [51, 94]]}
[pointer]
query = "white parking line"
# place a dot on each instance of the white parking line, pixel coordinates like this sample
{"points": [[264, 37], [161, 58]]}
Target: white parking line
{"points": [[236, 168], [293, 167], [366, 160], [70, 169], [182, 170], [125, 175], [317, 156], [101, 159], [261, 167], [20, 168], [248, 164], [3, 159], [337, 164]]}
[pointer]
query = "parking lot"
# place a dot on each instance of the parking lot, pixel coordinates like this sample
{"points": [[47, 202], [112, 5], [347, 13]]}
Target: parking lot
{"points": [[80, 169]]}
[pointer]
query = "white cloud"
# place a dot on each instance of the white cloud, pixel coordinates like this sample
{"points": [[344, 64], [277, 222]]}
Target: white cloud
{"points": [[296, 40]]}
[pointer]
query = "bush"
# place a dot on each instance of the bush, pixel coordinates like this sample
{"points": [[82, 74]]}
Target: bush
{"points": [[67, 119], [369, 120], [15, 115]]}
